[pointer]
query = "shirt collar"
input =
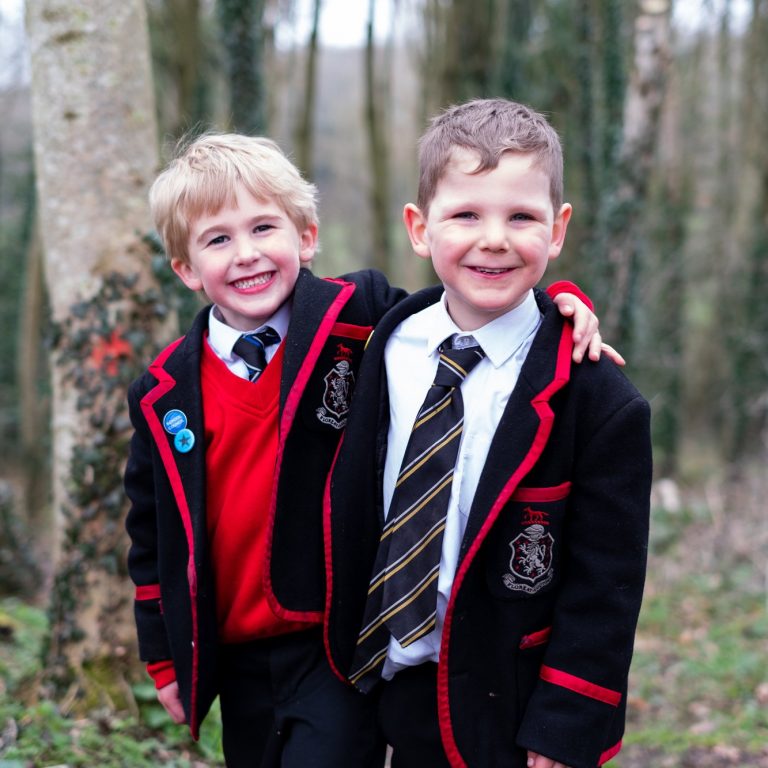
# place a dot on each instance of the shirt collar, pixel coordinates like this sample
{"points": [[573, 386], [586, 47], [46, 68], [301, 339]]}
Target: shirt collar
{"points": [[500, 338], [222, 337]]}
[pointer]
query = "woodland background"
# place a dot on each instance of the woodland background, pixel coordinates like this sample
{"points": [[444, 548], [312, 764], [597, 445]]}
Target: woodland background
{"points": [[662, 107]]}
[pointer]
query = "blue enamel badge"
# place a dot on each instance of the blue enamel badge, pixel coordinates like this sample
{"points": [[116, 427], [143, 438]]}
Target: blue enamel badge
{"points": [[174, 421], [184, 440]]}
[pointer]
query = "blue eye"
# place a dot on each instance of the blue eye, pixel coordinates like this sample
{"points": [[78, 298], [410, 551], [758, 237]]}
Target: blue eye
{"points": [[261, 228], [218, 240]]}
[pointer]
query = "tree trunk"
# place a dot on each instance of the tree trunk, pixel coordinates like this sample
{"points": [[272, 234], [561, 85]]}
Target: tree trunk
{"points": [[305, 128], [748, 316], [241, 28], [376, 111], [644, 97], [33, 412], [95, 153]]}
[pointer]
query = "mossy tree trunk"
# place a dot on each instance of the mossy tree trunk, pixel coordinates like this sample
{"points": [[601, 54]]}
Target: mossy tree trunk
{"points": [[377, 111], [95, 154], [642, 111], [305, 127], [243, 42]]}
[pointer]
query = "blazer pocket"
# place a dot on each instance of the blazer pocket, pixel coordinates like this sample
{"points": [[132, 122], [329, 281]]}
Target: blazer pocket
{"points": [[532, 648], [524, 550]]}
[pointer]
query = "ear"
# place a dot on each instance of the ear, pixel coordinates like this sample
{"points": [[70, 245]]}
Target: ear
{"points": [[416, 225], [559, 227], [308, 244], [187, 274]]}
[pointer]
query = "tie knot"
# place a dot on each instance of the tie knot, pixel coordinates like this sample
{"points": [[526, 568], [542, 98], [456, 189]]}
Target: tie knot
{"points": [[250, 347], [455, 364]]}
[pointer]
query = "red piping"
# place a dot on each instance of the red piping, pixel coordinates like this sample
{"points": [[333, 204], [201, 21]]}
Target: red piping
{"points": [[566, 286], [289, 413], [540, 404], [165, 382], [609, 754], [554, 493], [349, 331], [580, 686], [535, 638], [148, 592], [327, 545]]}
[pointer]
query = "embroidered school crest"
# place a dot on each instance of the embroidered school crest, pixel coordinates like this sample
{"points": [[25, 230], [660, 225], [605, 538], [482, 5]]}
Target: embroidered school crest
{"points": [[339, 382], [530, 565]]}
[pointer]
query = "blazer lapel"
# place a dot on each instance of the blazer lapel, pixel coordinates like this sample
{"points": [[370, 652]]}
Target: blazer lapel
{"points": [[316, 305], [178, 392], [526, 423]]}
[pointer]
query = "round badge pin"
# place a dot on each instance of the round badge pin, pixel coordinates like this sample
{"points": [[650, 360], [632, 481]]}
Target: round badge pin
{"points": [[184, 440], [174, 421]]}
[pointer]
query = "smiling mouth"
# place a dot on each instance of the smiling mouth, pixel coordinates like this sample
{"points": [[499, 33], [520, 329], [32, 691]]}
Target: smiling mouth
{"points": [[253, 282], [489, 271]]}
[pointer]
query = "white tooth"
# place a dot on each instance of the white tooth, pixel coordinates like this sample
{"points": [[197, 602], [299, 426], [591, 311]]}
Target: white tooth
{"points": [[252, 283]]}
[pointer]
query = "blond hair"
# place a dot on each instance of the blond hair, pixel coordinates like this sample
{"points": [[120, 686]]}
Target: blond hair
{"points": [[205, 174], [489, 127]]}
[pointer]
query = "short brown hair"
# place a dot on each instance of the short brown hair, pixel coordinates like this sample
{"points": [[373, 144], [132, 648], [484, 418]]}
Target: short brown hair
{"points": [[205, 174], [489, 127]]}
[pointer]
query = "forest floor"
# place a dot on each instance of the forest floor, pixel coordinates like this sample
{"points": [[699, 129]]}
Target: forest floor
{"points": [[699, 683]]}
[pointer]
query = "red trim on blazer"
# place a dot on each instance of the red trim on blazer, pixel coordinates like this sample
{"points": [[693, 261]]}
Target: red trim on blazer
{"points": [[329, 567], [165, 382], [359, 332], [540, 404], [535, 638], [553, 493], [579, 685], [162, 673], [148, 592], [609, 754], [286, 420], [566, 286]]}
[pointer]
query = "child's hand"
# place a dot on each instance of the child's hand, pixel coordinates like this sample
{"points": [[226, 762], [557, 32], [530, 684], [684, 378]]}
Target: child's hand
{"points": [[169, 698], [586, 335], [539, 761]]}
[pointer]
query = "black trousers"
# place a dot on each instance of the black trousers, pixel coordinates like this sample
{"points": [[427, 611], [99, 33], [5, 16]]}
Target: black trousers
{"points": [[282, 707], [408, 718]]}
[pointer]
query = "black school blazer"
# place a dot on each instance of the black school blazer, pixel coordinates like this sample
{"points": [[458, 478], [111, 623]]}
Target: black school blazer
{"points": [[168, 559], [539, 628]]}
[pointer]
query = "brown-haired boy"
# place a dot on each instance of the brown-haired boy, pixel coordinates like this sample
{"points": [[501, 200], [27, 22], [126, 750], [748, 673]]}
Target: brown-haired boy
{"points": [[236, 425], [498, 524]]}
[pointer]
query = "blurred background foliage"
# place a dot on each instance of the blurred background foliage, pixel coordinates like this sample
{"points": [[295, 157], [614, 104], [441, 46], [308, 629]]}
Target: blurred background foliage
{"points": [[662, 108]]}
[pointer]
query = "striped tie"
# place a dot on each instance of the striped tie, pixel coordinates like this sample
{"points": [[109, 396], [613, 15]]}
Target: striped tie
{"points": [[251, 348], [402, 597]]}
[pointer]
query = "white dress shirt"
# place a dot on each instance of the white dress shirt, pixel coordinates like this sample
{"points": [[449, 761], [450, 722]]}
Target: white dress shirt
{"points": [[411, 358], [222, 337]]}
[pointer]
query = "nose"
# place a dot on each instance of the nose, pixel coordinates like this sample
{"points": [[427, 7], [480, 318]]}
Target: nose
{"points": [[494, 237], [247, 250]]}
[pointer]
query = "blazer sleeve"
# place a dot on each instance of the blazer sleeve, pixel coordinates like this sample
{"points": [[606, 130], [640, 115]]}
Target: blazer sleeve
{"points": [[378, 294], [141, 525], [578, 706]]}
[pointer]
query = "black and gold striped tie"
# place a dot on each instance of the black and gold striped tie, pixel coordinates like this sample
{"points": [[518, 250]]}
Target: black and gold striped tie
{"points": [[402, 597]]}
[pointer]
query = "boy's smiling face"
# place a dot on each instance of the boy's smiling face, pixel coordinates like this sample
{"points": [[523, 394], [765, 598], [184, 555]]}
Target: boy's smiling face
{"points": [[490, 235], [246, 257]]}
